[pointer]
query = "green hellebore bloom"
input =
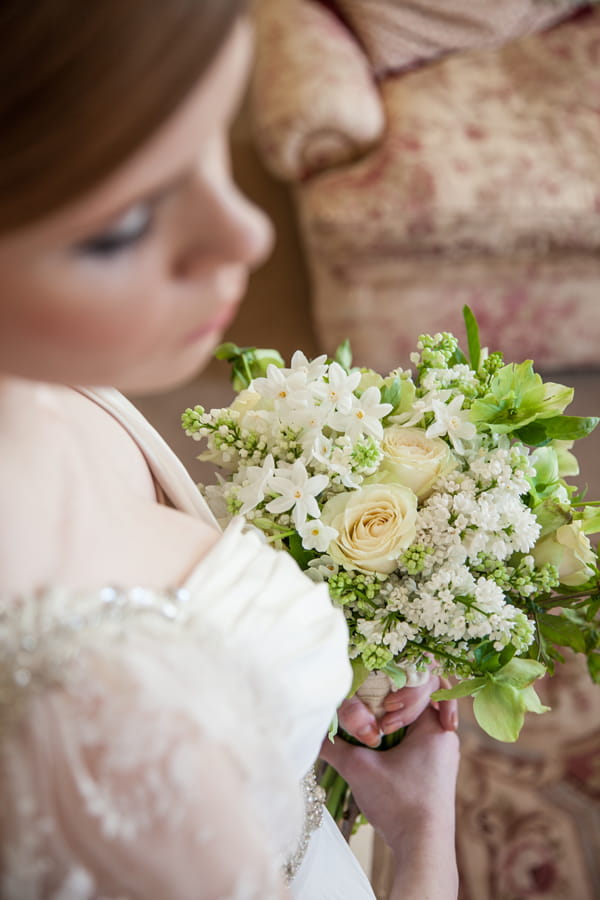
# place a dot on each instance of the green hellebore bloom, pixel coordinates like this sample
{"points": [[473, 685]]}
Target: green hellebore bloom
{"points": [[518, 396]]}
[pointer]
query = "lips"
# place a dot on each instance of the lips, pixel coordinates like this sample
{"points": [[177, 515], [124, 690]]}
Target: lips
{"points": [[226, 289], [218, 323]]}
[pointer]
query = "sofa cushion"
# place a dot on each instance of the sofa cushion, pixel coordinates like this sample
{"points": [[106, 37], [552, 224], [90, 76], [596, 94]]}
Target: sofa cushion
{"points": [[315, 101], [398, 35], [489, 151]]}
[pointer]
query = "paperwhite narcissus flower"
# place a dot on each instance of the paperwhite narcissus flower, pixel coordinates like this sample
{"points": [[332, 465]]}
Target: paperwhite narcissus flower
{"points": [[316, 536], [284, 387], [452, 420], [314, 369], [338, 391], [363, 417], [256, 478], [298, 492]]}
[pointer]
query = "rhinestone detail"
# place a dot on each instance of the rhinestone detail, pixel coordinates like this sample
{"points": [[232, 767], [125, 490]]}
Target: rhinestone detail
{"points": [[314, 801]]}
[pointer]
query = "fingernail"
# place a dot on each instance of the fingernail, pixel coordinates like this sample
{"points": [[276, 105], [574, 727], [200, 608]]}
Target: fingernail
{"points": [[393, 723], [453, 720], [370, 735], [392, 703]]}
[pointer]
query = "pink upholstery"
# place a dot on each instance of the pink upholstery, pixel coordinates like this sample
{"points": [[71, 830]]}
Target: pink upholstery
{"points": [[529, 814], [398, 35], [484, 189], [299, 125]]}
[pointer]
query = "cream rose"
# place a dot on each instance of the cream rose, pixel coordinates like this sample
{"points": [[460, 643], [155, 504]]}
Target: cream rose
{"points": [[374, 524], [246, 401], [569, 549], [412, 459]]}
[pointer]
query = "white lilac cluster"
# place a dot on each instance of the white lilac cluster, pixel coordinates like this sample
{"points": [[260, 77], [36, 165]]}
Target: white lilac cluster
{"points": [[389, 491]]}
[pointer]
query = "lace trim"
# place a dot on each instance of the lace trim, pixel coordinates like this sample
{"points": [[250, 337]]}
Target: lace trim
{"points": [[314, 801], [37, 639]]}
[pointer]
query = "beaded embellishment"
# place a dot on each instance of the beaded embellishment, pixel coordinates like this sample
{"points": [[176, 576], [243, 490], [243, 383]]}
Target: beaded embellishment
{"points": [[314, 801], [36, 639]]}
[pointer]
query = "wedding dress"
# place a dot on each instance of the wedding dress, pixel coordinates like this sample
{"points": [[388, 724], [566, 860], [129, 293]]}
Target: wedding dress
{"points": [[154, 744]]}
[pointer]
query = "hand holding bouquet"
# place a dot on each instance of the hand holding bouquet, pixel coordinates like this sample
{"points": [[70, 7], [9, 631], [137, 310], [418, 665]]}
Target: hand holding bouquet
{"points": [[433, 503]]}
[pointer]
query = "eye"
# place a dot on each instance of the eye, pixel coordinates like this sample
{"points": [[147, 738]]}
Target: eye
{"points": [[129, 230]]}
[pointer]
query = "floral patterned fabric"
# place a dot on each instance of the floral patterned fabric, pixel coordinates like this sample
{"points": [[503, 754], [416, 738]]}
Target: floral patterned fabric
{"points": [[300, 127], [398, 35], [529, 814], [485, 190]]}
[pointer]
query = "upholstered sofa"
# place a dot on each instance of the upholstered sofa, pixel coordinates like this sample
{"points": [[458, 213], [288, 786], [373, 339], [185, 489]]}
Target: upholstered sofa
{"points": [[458, 171]]}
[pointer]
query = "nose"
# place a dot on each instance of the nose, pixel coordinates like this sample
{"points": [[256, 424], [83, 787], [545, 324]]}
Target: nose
{"points": [[223, 227]]}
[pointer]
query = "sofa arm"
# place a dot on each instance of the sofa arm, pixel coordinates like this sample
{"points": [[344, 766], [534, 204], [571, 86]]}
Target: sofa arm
{"points": [[314, 102]]}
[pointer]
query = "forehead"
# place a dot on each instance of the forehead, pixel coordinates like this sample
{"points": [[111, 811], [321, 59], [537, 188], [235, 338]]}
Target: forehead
{"points": [[168, 154]]}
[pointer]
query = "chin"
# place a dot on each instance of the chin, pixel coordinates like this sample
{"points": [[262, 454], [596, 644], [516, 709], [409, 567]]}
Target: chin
{"points": [[160, 379]]}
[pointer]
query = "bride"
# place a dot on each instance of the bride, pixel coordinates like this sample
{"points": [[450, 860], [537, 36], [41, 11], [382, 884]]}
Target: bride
{"points": [[164, 688]]}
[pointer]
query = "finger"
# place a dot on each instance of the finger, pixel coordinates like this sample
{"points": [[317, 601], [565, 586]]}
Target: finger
{"points": [[340, 754], [409, 696], [418, 701], [358, 720], [428, 723], [448, 710]]}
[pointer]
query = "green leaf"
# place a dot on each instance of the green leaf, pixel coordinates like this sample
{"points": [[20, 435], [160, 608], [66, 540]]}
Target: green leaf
{"points": [[532, 701], [520, 673], [333, 728], [462, 689], [594, 666], [534, 434], [343, 355], [458, 358], [298, 552], [561, 631], [489, 659], [590, 519], [500, 711], [391, 393], [229, 351], [396, 674], [551, 514], [570, 428], [247, 362], [360, 674], [472, 337]]}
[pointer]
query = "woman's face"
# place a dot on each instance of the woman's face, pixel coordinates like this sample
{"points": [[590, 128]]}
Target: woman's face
{"points": [[134, 284]]}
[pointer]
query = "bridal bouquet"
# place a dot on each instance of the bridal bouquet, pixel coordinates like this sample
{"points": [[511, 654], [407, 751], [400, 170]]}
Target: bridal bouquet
{"points": [[432, 501]]}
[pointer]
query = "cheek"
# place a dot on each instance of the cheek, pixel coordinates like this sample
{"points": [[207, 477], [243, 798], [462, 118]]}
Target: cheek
{"points": [[97, 315]]}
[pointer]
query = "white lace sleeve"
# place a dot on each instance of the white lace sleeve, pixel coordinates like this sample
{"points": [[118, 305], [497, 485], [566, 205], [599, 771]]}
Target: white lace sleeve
{"points": [[137, 760]]}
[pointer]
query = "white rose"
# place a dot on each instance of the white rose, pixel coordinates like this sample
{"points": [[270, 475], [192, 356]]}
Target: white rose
{"points": [[569, 549], [369, 379], [253, 413], [245, 402], [412, 459], [374, 524]]}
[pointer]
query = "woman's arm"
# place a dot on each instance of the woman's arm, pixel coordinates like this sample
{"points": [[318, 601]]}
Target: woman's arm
{"points": [[408, 795]]}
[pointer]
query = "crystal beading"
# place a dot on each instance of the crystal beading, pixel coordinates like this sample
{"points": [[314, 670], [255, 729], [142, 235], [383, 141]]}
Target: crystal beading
{"points": [[314, 801]]}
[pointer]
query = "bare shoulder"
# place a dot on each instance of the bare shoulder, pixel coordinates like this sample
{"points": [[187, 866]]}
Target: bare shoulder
{"points": [[32, 483], [78, 502]]}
